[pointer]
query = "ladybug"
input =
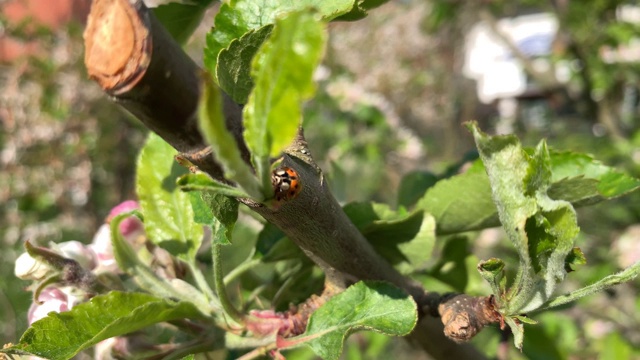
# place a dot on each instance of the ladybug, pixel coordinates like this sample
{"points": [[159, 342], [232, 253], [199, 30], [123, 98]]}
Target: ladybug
{"points": [[286, 183]]}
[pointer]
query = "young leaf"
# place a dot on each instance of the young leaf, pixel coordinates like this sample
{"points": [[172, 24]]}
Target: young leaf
{"points": [[517, 328], [182, 19], [575, 257], [573, 167], [168, 215], [234, 64], [63, 335], [541, 229], [225, 147], [463, 202], [492, 271], [223, 213], [283, 73], [374, 306], [237, 18]]}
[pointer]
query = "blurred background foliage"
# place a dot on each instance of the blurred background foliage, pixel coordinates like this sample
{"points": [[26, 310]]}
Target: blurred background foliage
{"points": [[391, 99]]}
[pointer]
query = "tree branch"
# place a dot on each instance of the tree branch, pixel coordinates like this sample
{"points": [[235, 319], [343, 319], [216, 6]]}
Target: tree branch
{"points": [[135, 60]]}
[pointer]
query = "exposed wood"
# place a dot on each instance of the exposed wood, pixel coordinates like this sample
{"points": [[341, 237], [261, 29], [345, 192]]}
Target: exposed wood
{"points": [[135, 60]]}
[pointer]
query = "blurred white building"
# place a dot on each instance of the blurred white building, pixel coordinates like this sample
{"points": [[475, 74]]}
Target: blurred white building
{"points": [[489, 61]]}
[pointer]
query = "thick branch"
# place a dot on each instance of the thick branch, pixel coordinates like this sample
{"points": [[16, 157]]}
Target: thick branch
{"points": [[133, 58], [159, 84]]}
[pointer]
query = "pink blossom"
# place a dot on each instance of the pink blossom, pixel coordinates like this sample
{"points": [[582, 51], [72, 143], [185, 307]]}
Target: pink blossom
{"points": [[102, 247], [130, 227], [52, 299]]}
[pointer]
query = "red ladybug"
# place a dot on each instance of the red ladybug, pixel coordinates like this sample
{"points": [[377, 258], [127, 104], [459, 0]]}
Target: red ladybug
{"points": [[286, 183]]}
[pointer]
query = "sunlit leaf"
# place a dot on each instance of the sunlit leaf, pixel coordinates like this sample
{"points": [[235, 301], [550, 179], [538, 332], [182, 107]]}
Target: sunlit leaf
{"points": [[222, 212], [203, 182], [541, 229], [168, 215], [237, 18], [370, 306], [283, 73], [223, 143], [63, 335], [571, 167], [461, 203]]}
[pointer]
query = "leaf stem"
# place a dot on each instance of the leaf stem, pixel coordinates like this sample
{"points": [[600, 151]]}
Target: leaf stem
{"points": [[626, 275], [198, 346], [258, 352], [128, 261], [201, 282], [241, 269], [221, 290]]}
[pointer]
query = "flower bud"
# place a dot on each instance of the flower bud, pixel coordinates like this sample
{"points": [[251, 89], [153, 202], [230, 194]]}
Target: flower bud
{"points": [[77, 251], [131, 228], [28, 268], [102, 247]]}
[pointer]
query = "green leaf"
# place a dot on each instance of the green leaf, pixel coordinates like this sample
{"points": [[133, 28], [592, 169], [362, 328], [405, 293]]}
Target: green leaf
{"points": [[451, 266], [541, 229], [517, 329], [578, 190], [397, 236], [222, 212], [129, 262], [234, 64], [374, 306], [168, 215], [224, 145], [283, 73], [181, 20], [273, 245], [63, 335], [492, 271], [461, 203], [237, 18], [575, 167], [525, 320], [413, 186], [360, 9], [203, 182], [575, 257]]}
